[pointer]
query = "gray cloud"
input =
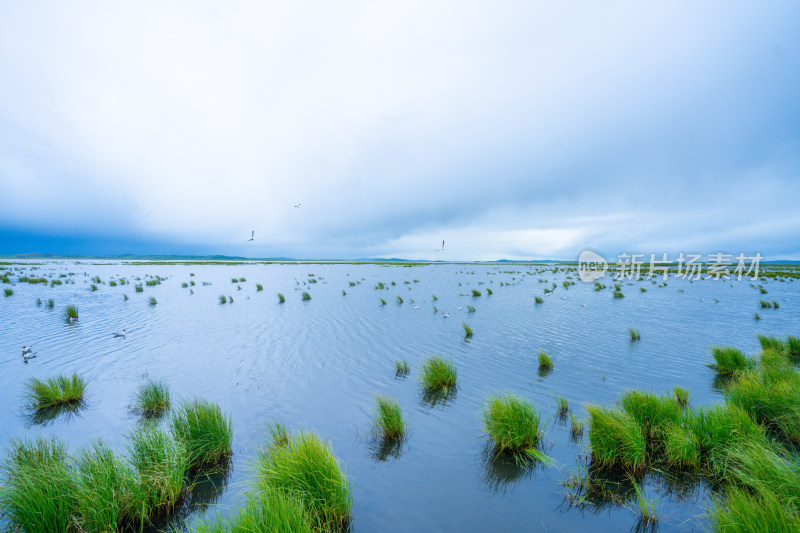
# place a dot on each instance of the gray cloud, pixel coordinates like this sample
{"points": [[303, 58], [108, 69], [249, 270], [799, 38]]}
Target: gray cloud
{"points": [[523, 132]]}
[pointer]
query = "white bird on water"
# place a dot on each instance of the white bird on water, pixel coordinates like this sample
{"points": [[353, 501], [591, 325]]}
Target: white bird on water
{"points": [[119, 333], [583, 304], [446, 315], [416, 307]]}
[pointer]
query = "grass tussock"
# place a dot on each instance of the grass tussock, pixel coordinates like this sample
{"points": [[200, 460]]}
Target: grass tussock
{"points": [[438, 374], [616, 439], [575, 427], [651, 412], [267, 510], [539, 300], [71, 312], [545, 361], [388, 420], [205, 432], [152, 300], [512, 423], [306, 468], [681, 396], [562, 405], [401, 368], [618, 294], [729, 360], [161, 463], [467, 330], [152, 398], [37, 491], [635, 335], [306, 296], [55, 391]]}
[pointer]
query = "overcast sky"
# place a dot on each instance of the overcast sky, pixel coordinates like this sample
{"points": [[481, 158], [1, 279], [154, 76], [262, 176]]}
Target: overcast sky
{"points": [[517, 130]]}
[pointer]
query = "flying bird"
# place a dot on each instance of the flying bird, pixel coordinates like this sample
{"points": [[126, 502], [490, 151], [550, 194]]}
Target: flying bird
{"points": [[297, 205], [252, 236]]}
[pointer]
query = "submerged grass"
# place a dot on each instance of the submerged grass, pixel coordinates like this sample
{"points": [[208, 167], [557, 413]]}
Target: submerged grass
{"points": [[438, 374], [401, 368], [205, 432], [512, 423], [55, 391]]}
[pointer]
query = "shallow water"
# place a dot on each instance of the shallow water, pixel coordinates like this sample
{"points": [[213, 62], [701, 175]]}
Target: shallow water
{"points": [[318, 364]]}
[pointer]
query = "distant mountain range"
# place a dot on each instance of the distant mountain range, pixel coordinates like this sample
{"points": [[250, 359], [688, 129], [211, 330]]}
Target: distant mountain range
{"points": [[138, 257]]}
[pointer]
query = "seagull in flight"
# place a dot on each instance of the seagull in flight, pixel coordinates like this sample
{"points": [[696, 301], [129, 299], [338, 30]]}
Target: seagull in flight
{"points": [[252, 236], [297, 205], [440, 249]]}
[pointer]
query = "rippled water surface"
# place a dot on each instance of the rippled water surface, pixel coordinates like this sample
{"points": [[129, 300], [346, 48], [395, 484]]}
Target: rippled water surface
{"points": [[318, 364]]}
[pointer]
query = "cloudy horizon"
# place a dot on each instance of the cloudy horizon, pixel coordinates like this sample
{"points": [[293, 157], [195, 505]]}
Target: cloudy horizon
{"points": [[515, 130]]}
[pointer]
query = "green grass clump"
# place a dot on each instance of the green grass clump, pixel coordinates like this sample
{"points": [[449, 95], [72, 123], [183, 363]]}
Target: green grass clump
{"points": [[618, 294], [51, 303], [388, 419], [401, 368], [539, 300], [681, 447], [306, 468], [205, 432], [793, 346], [544, 360], [616, 439], [771, 397], [152, 300], [718, 429], [470, 309], [575, 426], [467, 330], [681, 396], [138, 288], [635, 335], [475, 293], [152, 398], [71, 312], [161, 463], [399, 300], [55, 391], [742, 511], [489, 291], [306, 296], [651, 412], [563, 405], [281, 298], [8, 292], [765, 304], [223, 299], [267, 510], [93, 287], [769, 343], [438, 374], [104, 485], [512, 422], [383, 302], [729, 360], [37, 492]]}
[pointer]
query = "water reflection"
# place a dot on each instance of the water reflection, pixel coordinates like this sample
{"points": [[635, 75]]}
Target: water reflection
{"points": [[503, 471], [48, 415], [440, 398]]}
